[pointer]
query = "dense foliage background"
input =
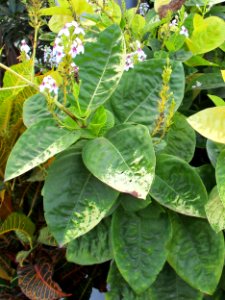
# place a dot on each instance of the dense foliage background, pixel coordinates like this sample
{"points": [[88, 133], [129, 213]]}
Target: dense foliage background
{"points": [[112, 155]]}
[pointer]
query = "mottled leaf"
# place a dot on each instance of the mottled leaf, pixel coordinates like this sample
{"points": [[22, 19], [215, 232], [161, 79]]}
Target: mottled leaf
{"points": [[93, 247], [178, 186], [196, 253], [36, 145], [131, 203], [124, 159], [73, 207], [138, 251], [220, 176]]}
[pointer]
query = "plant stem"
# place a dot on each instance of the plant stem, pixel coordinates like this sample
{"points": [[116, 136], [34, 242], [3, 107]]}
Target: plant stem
{"points": [[36, 29], [19, 76], [14, 87]]}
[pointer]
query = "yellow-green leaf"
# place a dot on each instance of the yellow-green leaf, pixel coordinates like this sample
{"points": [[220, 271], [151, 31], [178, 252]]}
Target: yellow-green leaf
{"points": [[210, 123], [81, 6], [207, 35], [56, 10], [57, 22]]}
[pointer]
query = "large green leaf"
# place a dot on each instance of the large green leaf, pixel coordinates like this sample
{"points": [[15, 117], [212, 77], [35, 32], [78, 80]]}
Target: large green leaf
{"points": [[138, 251], [124, 159], [36, 145], [74, 200], [207, 35], [169, 286], [220, 176], [101, 67], [196, 253], [210, 123], [213, 151], [119, 288], [35, 109], [180, 139], [215, 211], [93, 247], [137, 97], [207, 175], [132, 204], [19, 223], [178, 186]]}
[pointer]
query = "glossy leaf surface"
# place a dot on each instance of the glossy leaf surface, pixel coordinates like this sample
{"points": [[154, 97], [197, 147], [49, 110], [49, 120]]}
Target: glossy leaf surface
{"points": [[36, 145], [92, 248], [100, 68], [124, 159], [220, 176], [73, 207], [169, 286], [196, 253], [138, 251], [131, 203], [210, 123], [178, 186], [137, 97], [180, 139], [215, 211]]}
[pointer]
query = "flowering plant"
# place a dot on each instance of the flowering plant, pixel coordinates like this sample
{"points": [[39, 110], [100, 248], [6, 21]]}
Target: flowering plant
{"points": [[110, 111]]}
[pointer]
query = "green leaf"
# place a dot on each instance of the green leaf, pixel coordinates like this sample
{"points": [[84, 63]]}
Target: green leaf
{"points": [[207, 174], [197, 60], [133, 204], [81, 6], [55, 10], [75, 206], [216, 100], [35, 110], [137, 97], [169, 286], [111, 159], [210, 123], [207, 35], [180, 139], [138, 251], [36, 145], [45, 237], [178, 187], [213, 151], [57, 22], [220, 176], [196, 253], [215, 211], [205, 81], [119, 289], [93, 247], [100, 68], [19, 223]]}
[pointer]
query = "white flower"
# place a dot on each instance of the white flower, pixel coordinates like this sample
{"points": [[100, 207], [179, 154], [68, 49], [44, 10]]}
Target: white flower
{"points": [[65, 31], [75, 68], [197, 85], [80, 47], [173, 23], [184, 31], [144, 7], [24, 47], [48, 85], [141, 55], [79, 30], [129, 64]]}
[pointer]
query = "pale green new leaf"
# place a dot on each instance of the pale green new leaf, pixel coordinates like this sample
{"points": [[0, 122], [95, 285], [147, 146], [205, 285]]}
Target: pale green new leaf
{"points": [[210, 123], [36, 145]]}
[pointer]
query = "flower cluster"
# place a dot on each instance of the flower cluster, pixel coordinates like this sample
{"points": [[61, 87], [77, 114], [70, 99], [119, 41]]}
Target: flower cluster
{"points": [[24, 48], [174, 26], [143, 9], [67, 43], [133, 57], [184, 31], [49, 85]]}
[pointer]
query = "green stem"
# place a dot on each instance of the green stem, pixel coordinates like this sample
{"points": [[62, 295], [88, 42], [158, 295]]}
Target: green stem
{"points": [[19, 76], [34, 51], [14, 87]]}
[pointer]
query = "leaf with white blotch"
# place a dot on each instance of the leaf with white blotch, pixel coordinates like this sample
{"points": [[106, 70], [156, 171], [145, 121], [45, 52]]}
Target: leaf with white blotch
{"points": [[120, 289], [215, 211], [169, 286], [124, 159], [130, 103], [93, 247], [178, 186], [138, 251], [36, 145], [75, 206], [100, 68], [196, 252], [220, 175], [210, 123], [36, 281]]}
